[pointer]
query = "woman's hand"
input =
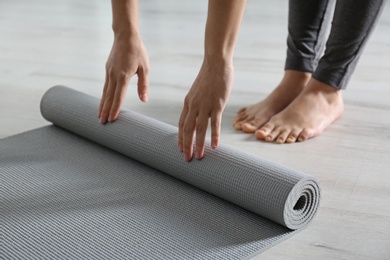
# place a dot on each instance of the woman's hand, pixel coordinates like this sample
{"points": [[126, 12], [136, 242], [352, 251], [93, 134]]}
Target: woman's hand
{"points": [[205, 100], [128, 57]]}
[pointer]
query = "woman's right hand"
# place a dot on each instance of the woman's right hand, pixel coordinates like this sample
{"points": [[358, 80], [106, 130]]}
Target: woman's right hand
{"points": [[128, 57]]}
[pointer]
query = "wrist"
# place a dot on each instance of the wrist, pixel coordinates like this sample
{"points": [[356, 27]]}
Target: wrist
{"points": [[125, 32], [214, 60]]}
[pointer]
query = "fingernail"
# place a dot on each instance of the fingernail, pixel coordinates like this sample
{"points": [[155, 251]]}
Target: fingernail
{"points": [[144, 97], [187, 157], [110, 119], [180, 148]]}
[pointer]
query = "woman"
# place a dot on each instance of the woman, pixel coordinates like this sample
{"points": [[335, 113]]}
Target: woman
{"points": [[308, 98]]}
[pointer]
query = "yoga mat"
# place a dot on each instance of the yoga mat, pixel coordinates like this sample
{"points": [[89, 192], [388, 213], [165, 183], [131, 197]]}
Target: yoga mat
{"points": [[77, 189]]}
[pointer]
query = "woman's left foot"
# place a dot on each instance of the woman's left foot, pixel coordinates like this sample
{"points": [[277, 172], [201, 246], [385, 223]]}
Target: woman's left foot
{"points": [[311, 112]]}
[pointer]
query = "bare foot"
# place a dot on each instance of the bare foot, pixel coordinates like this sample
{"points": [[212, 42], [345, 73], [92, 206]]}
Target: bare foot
{"points": [[251, 118], [316, 107]]}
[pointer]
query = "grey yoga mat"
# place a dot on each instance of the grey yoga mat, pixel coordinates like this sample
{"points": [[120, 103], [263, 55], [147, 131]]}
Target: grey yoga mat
{"points": [[80, 190]]}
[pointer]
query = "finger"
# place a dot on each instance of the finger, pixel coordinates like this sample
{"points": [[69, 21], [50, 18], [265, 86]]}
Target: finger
{"points": [[143, 84], [215, 129], [183, 116], [108, 98], [188, 135], [103, 95], [201, 128], [119, 97]]}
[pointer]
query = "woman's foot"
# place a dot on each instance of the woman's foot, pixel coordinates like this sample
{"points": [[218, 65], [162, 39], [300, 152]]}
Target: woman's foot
{"points": [[252, 118], [313, 110]]}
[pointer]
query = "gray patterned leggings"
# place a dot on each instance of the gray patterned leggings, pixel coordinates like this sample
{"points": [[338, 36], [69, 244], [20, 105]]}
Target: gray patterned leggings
{"points": [[308, 27]]}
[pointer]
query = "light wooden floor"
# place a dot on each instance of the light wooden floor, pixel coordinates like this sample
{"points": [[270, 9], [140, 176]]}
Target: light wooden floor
{"points": [[44, 43]]}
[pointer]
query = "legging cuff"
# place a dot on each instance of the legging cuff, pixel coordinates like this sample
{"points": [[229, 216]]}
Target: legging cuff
{"points": [[299, 64], [335, 77]]}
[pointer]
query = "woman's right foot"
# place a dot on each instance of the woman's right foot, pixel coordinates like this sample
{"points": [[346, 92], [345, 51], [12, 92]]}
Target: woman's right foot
{"points": [[251, 118]]}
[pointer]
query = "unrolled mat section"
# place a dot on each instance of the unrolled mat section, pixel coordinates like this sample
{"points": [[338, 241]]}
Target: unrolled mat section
{"points": [[79, 189]]}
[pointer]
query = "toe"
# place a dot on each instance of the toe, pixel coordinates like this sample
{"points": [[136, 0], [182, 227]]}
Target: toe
{"points": [[264, 131], [253, 125], [304, 135], [281, 139], [272, 136], [238, 124], [292, 137], [242, 110], [238, 121], [249, 127], [240, 118]]}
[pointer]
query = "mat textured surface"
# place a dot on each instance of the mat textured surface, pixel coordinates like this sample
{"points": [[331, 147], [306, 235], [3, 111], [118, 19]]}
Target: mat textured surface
{"points": [[77, 189]]}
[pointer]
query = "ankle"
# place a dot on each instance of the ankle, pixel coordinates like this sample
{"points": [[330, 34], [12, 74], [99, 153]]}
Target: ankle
{"points": [[297, 76], [330, 93], [318, 86]]}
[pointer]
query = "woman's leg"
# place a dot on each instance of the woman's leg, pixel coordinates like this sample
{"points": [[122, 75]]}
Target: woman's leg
{"points": [[308, 24], [321, 103], [353, 24]]}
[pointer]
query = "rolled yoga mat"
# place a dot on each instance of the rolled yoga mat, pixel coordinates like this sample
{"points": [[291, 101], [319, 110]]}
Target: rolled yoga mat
{"points": [[80, 190]]}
